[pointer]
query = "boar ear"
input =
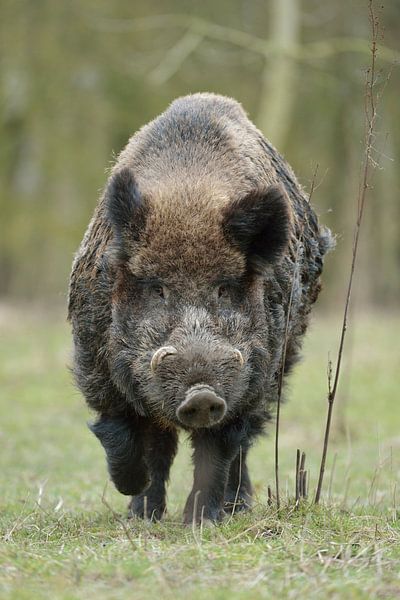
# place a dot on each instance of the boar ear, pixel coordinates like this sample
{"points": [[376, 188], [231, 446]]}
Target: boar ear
{"points": [[259, 224], [126, 209]]}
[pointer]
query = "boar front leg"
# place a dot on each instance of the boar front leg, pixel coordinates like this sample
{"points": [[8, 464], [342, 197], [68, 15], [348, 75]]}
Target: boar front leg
{"points": [[123, 440], [160, 450], [213, 454]]}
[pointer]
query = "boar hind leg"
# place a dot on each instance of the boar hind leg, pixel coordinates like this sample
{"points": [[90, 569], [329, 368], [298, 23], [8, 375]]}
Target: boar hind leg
{"points": [[160, 450], [213, 454], [122, 439], [238, 490]]}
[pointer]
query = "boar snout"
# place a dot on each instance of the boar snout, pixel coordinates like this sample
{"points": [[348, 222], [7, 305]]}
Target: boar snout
{"points": [[201, 407], [159, 355]]}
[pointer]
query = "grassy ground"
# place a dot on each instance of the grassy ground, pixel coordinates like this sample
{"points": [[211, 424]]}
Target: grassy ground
{"points": [[59, 540]]}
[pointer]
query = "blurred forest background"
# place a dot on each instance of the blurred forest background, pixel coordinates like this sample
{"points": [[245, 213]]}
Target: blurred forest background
{"points": [[78, 77]]}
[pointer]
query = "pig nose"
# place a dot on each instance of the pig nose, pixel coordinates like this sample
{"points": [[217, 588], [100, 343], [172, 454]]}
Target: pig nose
{"points": [[201, 407]]}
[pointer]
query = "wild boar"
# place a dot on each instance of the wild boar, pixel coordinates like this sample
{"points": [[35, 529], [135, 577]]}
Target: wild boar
{"points": [[179, 297]]}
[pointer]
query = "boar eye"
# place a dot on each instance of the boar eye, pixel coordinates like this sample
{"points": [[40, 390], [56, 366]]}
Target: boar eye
{"points": [[159, 291], [223, 291]]}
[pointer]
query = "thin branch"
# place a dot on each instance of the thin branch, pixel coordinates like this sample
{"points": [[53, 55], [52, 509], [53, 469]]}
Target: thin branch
{"points": [[207, 29], [235, 502], [118, 518], [302, 475], [175, 57], [370, 119], [196, 24], [331, 478], [297, 486], [304, 485], [194, 515], [284, 349]]}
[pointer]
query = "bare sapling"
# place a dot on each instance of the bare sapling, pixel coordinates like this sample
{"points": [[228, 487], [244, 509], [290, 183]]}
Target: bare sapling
{"points": [[368, 163], [284, 348]]}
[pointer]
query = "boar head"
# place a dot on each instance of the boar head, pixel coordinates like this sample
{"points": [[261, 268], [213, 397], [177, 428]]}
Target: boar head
{"points": [[188, 337]]}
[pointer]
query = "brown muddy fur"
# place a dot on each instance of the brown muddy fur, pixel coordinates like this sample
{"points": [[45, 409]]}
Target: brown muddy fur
{"points": [[192, 246]]}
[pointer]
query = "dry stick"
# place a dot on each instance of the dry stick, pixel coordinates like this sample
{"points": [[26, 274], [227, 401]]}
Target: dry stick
{"points": [[194, 516], [201, 523], [300, 485], [284, 349], [331, 478], [145, 508], [256, 526], [370, 118], [301, 474], [297, 495], [238, 485], [207, 29], [346, 489], [118, 518], [304, 484], [394, 514], [303, 461]]}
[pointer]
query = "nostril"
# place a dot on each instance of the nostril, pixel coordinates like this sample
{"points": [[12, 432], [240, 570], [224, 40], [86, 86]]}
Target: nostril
{"points": [[189, 412]]}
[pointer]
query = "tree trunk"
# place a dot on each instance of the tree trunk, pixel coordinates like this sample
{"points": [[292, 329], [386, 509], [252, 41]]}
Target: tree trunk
{"points": [[278, 78]]}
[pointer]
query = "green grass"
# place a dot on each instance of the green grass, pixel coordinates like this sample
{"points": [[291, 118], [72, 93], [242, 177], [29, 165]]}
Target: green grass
{"points": [[59, 540]]}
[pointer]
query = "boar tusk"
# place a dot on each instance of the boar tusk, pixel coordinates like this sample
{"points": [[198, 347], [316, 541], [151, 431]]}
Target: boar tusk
{"points": [[240, 356], [159, 355]]}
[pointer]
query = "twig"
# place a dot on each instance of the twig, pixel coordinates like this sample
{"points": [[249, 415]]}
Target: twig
{"points": [[370, 119], [201, 525], [118, 518], [194, 517], [17, 524], [394, 512], [310, 51], [346, 488], [331, 478], [145, 516], [301, 475], [297, 489], [256, 526], [374, 483], [284, 348], [305, 484], [175, 57], [238, 485]]}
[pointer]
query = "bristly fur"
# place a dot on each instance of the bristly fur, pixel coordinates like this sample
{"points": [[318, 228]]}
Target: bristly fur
{"points": [[200, 238]]}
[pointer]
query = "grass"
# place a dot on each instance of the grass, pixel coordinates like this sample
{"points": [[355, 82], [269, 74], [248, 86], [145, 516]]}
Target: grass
{"points": [[58, 540]]}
